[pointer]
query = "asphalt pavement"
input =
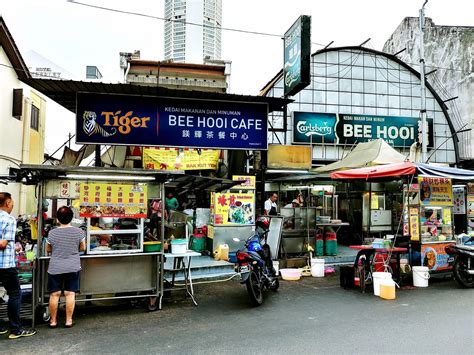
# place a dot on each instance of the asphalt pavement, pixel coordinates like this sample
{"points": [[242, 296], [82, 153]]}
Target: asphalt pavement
{"points": [[311, 316]]}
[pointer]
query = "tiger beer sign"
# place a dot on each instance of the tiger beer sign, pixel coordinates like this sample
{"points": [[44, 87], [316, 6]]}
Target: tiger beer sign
{"points": [[170, 122]]}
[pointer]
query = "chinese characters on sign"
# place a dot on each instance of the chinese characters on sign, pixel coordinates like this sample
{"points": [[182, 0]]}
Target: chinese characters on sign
{"points": [[248, 182], [435, 191], [173, 159], [234, 208], [113, 200], [170, 122], [414, 224]]}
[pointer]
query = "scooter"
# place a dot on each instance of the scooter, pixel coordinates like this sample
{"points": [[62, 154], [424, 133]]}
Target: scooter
{"points": [[463, 266], [254, 263]]}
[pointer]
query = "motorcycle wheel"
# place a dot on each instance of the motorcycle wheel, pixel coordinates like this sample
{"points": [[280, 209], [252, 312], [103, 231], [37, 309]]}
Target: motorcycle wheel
{"points": [[254, 289], [461, 275]]}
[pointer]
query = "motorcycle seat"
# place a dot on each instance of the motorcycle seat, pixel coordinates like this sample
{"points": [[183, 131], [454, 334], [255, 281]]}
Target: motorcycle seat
{"points": [[466, 247]]}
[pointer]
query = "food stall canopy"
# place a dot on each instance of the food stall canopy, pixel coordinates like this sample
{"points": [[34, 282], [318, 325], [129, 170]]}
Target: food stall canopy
{"points": [[375, 172], [376, 152], [445, 171], [407, 168]]}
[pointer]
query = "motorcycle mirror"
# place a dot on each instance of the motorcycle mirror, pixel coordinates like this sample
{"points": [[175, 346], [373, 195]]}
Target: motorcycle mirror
{"points": [[236, 239]]}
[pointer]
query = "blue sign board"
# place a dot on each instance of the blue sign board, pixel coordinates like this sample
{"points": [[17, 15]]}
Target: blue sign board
{"points": [[169, 122], [350, 129]]}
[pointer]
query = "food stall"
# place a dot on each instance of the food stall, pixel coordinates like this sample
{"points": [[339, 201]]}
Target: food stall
{"points": [[428, 206], [232, 213], [430, 214], [115, 264]]}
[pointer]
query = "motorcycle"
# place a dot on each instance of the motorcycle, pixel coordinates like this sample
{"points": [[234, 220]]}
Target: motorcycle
{"points": [[463, 266], [254, 263]]}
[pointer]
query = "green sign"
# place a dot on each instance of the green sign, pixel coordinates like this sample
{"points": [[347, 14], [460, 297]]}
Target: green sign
{"points": [[311, 127], [297, 56]]}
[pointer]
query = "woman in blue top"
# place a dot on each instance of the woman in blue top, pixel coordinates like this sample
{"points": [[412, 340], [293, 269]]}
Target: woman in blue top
{"points": [[64, 243]]}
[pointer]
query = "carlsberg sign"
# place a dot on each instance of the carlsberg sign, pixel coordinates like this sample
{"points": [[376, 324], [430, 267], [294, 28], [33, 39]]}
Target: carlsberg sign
{"points": [[351, 129]]}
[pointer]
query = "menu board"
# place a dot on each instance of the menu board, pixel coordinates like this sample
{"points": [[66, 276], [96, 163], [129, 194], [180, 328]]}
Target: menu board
{"points": [[435, 191], [113, 200], [234, 208]]}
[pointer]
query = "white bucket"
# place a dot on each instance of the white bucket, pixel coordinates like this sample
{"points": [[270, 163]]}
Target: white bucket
{"points": [[317, 267], [276, 266], [378, 277], [420, 276]]}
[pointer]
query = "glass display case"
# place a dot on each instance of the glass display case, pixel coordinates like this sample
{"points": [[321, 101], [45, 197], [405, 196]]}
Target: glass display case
{"points": [[436, 224], [114, 235]]}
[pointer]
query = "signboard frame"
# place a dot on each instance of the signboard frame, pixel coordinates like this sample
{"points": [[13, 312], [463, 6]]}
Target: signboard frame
{"points": [[297, 39], [86, 132]]}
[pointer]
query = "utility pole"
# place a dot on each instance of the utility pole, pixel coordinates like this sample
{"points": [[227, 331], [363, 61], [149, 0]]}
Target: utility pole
{"points": [[424, 125]]}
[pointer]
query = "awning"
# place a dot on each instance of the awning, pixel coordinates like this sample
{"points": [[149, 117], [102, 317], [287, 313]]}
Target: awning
{"points": [[390, 170], [375, 172], [64, 92], [376, 152]]}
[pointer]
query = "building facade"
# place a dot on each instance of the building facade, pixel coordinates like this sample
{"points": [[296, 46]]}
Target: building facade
{"points": [[358, 94], [22, 121], [449, 58], [192, 30], [213, 77]]}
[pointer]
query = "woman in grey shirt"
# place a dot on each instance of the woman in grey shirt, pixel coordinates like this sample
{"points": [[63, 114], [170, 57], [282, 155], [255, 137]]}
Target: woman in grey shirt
{"points": [[64, 243]]}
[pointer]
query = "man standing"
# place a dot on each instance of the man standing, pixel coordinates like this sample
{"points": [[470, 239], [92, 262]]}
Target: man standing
{"points": [[8, 271], [171, 202], [270, 205]]}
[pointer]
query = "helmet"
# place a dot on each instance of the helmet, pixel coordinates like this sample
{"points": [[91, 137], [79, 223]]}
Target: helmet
{"points": [[255, 245], [263, 222]]}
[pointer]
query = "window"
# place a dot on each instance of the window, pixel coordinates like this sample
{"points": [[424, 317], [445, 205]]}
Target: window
{"points": [[34, 117]]}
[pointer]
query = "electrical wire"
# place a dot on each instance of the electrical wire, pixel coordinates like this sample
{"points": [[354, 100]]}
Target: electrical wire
{"points": [[182, 21]]}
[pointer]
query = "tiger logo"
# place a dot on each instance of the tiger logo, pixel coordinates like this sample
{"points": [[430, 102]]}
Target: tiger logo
{"points": [[90, 125]]}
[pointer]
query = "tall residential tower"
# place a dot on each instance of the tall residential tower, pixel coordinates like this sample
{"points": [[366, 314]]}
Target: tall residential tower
{"points": [[193, 30]]}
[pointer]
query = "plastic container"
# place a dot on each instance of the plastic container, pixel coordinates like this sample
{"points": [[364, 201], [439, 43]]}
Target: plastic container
{"points": [[290, 274], [421, 276], [317, 267], [387, 289], [178, 246], [198, 242], [378, 277], [222, 252], [149, 247]]}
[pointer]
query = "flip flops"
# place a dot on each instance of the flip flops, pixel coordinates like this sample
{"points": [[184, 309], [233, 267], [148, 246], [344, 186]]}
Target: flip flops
{"points": [[52, 326]]}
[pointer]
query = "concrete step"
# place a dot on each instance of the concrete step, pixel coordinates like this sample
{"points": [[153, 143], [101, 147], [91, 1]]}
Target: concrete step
{"points": [[202, 267]]}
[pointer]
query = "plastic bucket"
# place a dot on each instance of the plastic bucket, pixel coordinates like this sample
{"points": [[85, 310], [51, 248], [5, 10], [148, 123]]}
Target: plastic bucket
{"points": [[420, 276], [387, 289], [276, 266], [178, 246], [378, 277], [317, 267]]}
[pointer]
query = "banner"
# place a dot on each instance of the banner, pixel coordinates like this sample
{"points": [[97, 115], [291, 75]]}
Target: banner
{"points": [[414, 224], [113, 200], [170, 122], [434, 256], [343, 129], [435, 191], [234, 208], [172, 159], [249, 182]]}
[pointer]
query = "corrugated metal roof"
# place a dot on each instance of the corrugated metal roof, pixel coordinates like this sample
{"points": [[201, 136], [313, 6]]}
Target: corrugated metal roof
{"points": [[64, 92]]}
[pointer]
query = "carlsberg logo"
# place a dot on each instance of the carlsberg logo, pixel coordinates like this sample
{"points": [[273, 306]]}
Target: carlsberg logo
{"points": [[309, 129]]}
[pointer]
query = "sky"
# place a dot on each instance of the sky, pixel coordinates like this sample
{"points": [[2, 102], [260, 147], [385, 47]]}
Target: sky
{"points": [[73, 36]]}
